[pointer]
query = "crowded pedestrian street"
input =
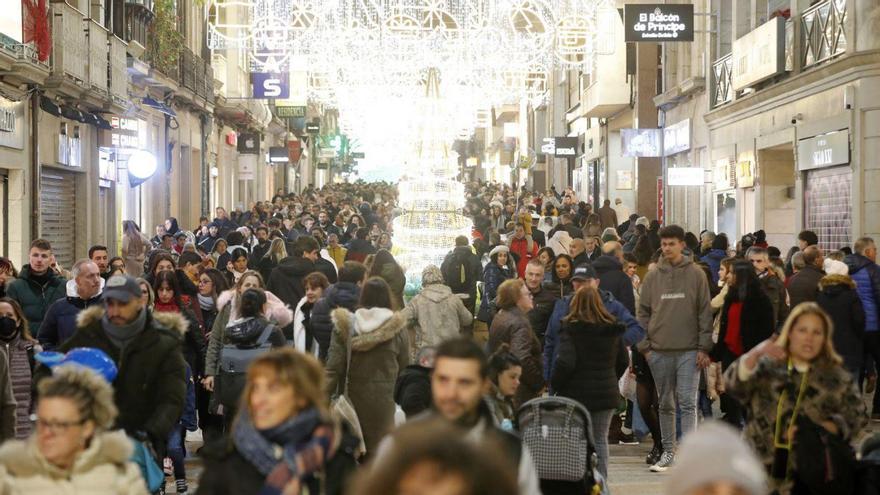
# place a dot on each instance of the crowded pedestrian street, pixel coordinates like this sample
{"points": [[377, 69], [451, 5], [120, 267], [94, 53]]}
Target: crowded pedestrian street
{"points": [[439, 247]]}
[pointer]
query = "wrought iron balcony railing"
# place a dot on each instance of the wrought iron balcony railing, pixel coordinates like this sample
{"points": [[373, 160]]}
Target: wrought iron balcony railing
{"points": [[823, 32], [722, 87]]}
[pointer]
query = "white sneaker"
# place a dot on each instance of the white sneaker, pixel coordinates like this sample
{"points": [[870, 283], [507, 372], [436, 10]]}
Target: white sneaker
{"points": [[664, 463]]}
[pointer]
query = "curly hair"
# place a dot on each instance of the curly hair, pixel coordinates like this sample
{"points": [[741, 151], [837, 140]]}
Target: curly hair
{"points": [[92, 394]]}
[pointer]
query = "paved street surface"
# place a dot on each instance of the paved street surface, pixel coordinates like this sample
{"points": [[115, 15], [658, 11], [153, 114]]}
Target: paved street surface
{"points": [[628, 473]]}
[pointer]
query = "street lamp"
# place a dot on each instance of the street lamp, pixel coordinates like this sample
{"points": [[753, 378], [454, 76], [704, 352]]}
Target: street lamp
{"points": [[141, 166]]}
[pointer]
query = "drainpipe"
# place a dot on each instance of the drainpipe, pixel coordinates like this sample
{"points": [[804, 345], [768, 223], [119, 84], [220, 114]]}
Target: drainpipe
{"points": [[206, 174], [36, 170]]}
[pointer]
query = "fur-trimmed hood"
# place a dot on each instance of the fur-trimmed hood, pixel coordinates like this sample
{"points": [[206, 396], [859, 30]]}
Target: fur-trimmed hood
{"points": [[829, 281], [275, 308], [174, 322], [22, 458], [371, 327]]}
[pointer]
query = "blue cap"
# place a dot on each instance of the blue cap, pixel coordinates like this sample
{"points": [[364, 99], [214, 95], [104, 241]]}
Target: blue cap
{"points": [[94, 359]]}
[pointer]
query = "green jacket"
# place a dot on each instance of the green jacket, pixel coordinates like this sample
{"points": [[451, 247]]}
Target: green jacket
{"points": [[150, 388], [33, 298]]}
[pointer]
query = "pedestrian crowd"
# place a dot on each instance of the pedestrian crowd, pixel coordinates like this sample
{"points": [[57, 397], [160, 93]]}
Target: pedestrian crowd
{"points": [[283, 335]]}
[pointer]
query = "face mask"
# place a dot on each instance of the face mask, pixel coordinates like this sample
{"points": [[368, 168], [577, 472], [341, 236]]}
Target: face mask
{"points": [[8, 327]]}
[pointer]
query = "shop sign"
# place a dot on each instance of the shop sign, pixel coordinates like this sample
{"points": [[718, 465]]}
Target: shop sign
{"points": [[248, 144], [564, 147], [106, 166], [723, 175], [313, 128], [642, 143], [290, 112], [745, 174], [11, 119], [125, 133], [658, 22], [322, 166], [247, 167], [759, 54], [358, 155], [624, 179], [677, 137], [294, 150], [326, 152], [826, 150], [685, 176], [279, 154], [271, 85]]}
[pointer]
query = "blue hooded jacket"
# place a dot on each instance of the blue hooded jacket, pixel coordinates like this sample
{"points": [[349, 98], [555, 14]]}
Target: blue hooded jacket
{"points": [[633, 334], [713, 259], [866, 274]]}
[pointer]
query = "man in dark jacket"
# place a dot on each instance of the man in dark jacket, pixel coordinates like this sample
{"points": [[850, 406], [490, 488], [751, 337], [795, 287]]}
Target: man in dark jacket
{"points": [[461, 271], [37, 286], [360, 246], [804, 285], [543, 300], [286, 279], [412, 392], [262, 247], [578, 252], [773, 287], [150, 387], [343, 294], [609, 267], [607, 215], [567, 224], [83, 291]]}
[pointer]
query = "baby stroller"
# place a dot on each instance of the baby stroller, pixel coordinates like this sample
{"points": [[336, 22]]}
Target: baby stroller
{"points": [[557, 433]]}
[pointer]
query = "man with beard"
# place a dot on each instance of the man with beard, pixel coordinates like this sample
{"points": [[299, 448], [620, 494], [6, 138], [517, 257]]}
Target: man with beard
{"points": [[262, 247]]}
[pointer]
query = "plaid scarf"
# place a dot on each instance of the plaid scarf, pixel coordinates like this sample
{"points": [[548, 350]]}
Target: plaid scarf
{"points": [[287, 453]]}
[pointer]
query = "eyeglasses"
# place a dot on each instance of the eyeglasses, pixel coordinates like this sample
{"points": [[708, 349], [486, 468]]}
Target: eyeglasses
{"points": [[56, 427]]}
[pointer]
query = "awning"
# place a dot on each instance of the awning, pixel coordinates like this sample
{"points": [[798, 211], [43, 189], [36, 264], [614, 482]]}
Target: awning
{"points": [[72, 113], [49, 107], [157, 105]]}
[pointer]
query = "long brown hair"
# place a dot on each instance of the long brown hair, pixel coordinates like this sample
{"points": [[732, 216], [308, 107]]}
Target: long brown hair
{"points": [[587, 307], [23, 324]]}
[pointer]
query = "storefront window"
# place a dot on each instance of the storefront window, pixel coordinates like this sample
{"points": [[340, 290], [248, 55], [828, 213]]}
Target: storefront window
{"points": [[725, 214]]}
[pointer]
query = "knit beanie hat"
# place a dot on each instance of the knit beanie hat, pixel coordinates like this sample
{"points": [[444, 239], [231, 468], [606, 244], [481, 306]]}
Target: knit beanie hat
{"points": [[715, 452], [834, 267], [643, 221]]}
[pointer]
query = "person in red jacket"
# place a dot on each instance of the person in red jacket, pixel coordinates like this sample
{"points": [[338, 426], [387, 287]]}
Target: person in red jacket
{"points": [[524, 247]]}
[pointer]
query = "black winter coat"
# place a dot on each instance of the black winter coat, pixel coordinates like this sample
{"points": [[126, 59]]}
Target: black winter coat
{"points": [[462, 256], [150, 387], [590, 361], [612, 279], [756, 324], [412, 392], [543, 303], [228, 472], [286, 280], [339, 295], [838, 297]]}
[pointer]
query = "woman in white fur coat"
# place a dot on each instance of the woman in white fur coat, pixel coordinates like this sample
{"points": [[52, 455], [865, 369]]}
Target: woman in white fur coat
{"points": [[71, 450]]}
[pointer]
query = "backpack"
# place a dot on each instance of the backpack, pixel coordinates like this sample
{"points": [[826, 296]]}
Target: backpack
{"points": [[558, 434], [234, 361], [457, 275]]}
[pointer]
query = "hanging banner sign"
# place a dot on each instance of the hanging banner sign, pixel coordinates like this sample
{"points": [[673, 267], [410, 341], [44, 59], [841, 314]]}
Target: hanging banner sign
{"points": [[565, 147], [248, 144], [642, 143], [658, 22], [290, 112], [271, 85], [677, 137]]}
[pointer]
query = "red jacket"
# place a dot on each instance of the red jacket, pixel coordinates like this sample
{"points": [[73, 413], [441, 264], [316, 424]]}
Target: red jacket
{"points": [[521, 248]]}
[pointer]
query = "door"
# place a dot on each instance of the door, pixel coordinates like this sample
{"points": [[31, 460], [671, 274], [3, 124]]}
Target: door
{"points": [[828, 206], [58, 213]]}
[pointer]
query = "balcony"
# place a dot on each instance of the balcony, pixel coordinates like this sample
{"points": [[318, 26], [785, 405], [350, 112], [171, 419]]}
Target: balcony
{"points": [[70, 57], [20, 63], [722, 87], [196, 74], [99, 53], [118, 83], [823, 32]]}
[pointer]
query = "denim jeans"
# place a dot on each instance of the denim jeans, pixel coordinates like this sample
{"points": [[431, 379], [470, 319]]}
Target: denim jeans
{"points": [[177, 452], [677, 378], [601, 421]]}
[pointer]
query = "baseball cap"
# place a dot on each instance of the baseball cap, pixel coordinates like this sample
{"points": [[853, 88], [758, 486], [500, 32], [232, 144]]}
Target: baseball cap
{"points": [[121, 288], [584, 271], [87, 357]]}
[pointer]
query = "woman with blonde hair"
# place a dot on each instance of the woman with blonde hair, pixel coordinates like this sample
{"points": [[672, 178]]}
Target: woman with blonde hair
{"points": [[73, 449], [134, 248], [591, 359], [284, 439], [796, 391], [277, 252]]}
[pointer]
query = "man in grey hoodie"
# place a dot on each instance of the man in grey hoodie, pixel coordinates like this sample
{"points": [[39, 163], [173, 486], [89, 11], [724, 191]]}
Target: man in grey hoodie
{"points": [[674, 309]]}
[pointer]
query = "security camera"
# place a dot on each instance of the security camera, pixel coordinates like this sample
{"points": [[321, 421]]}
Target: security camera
{"points": [[797, 117]]}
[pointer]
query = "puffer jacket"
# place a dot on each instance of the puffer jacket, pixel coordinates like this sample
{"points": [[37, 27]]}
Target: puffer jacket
{"points": [[713, 259], [33, 298], [60, 320], [511, 326], [435, 315], [612, 279], [379, 352], [559, 242], [866, 274], [839, 298], [103, 468], [493, 276], [339, 295], [276, 311], [286, 280], [20, 358]]}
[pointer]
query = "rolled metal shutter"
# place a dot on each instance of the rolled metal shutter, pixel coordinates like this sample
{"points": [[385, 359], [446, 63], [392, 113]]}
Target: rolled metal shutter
{"points": [[58, 213]]}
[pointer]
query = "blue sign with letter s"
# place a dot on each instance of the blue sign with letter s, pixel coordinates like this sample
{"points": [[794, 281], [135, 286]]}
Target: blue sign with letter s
{"points": [[271, 85]]}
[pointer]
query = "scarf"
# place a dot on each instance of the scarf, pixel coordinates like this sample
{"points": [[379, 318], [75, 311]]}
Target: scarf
{"points": [[207, 303], [287, 453], [123, 334], [169, 307]]}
